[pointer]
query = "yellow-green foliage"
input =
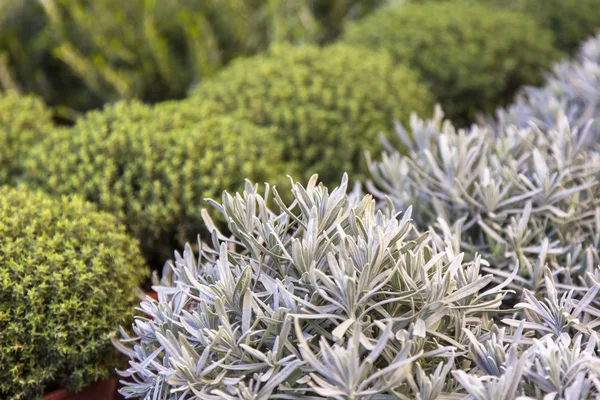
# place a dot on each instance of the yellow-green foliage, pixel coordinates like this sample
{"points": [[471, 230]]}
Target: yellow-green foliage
{"points": [[67, 279], [23, 122], [473, 57], [153, 167], [328, 105]]}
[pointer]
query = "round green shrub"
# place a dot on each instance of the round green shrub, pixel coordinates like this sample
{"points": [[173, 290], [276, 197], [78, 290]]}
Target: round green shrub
{"points": [[572, 21], [67, 279], [473, 57], [328, 105], [153, 167], [23, 120]]}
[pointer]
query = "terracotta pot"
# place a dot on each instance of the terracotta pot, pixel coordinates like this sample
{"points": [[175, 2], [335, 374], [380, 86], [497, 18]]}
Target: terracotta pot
{"points": [[104, 390], [152, 294]]}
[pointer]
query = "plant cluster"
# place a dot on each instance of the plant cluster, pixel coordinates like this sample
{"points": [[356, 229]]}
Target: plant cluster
{"points": [[571, 90], [521, 198], [473, 57], [23, 121], [326, 105], [83, 53], [67, 280], [331, 298], [571, 21], [153, 167]]}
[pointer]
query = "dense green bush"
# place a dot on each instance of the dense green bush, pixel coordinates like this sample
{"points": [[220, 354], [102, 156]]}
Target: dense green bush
{"points": [[83, 53], [67, 279], [572, 21], [328, 105], [23, 122], [152, 167], [473, 57]]}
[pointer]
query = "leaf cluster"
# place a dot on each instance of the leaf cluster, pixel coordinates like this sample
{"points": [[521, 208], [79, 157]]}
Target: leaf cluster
{"points": [[68, 278], [326, 105], [152, 167], [23, 121], [332, 298], [473, 57], [521, 198]]}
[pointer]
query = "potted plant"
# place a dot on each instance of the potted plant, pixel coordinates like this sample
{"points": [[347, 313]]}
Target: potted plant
{"points": [[68, 278]]}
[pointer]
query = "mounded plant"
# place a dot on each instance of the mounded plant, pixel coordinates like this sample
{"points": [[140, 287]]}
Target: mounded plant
{"points": [[68, 278], [24, 120], [474, 58], [521, 198], [571, 21], [331, 298], [572, 90], [326, 105], [153, 167]]}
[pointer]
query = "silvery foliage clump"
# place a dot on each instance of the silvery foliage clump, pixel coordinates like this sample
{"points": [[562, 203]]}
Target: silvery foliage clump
{"points": [[572, 89], [522, 198], [335, 298], [329, 297]]}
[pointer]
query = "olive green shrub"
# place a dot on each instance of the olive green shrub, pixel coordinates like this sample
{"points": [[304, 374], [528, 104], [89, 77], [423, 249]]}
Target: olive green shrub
{"points": [[23, 121], [327, 105], [67, 280], [572, 21], [152, 167], [473, 57], [80, 54]]}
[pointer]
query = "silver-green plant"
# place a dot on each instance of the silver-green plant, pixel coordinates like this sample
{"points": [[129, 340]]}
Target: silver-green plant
{"points": [[572, 89], [327, 298], [522, 198]]}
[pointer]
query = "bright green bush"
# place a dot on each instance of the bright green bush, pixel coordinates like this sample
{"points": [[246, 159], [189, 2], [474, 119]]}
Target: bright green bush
{"points": [[152, 167], [474, 58], [67, 280], [328, 105], [23, 121]]}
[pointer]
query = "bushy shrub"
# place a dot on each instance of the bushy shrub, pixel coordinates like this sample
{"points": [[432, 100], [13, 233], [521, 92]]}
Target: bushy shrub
{"points": [[473, 57], [152, 167], [572, 21], [332, 299], [83, 53], [23, 122], [571, 90], [327, 105], [521, 198], [67, 280]]}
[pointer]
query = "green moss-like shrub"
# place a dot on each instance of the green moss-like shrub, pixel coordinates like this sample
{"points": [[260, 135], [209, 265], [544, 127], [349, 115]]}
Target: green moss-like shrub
{"points": [[474, 58], [328, 105], [572, 21], [67, 279], [23, 121], [153, 167]]}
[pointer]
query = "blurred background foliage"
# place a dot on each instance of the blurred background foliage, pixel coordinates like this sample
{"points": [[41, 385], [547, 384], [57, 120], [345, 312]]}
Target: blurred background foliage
{"points": [[80, 54]]}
